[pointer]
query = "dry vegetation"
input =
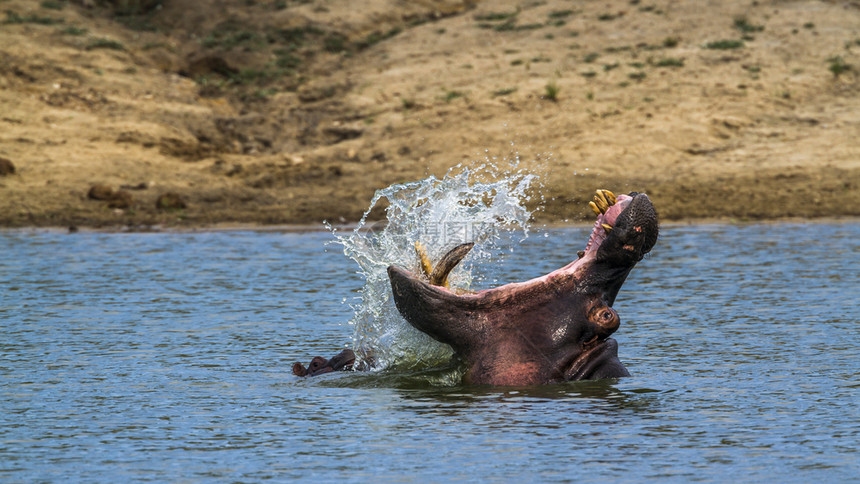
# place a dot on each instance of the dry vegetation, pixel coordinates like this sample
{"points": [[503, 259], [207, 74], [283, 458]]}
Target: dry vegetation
{"points": [[200, 112]]}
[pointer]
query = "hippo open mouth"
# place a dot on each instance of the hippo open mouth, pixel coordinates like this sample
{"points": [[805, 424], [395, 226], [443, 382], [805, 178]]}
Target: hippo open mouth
{"points": [[552, 328]]}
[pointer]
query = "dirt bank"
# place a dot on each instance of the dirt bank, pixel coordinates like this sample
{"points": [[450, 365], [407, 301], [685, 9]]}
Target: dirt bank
{"points": [[210, 111]]}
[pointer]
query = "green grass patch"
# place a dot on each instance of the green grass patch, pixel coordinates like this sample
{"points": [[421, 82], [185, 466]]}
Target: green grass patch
{"points": [[512, 26], [105, 44], [295, 37], [72, 30], [375, 38], [452, 95], [551, 91], [556, 14], [725, 44], [285, 59], [670, 42], [622, 48], [13, 17], [744, 26], [504, 92], [231, 40], [637, 76], [670, 62], [838, 66], [491, 21], [496, 16], [335, 43], [53, 5], [252, 76], [158, 45], [589, 58]]}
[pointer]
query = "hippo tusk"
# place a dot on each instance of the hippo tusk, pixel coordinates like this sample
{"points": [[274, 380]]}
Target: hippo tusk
{"points": [[439, 276]]}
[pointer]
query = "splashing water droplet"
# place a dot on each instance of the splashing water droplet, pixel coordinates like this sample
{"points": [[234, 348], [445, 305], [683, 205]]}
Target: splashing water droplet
{"points": [[484, 204]]}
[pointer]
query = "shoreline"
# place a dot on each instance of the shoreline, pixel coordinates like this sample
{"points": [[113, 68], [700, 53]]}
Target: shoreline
{"points": [[304, 228], [734, 112]]}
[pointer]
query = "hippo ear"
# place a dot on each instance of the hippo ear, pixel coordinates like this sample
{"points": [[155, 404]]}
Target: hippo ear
{"points": [[299, 369]]}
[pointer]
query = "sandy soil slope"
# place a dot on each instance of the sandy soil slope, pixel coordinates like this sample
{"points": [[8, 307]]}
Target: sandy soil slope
{"points": [[296, 111]]}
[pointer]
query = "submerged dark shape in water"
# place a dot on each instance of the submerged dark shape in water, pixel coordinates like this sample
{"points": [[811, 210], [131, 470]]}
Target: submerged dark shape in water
{"points": [[549, 329], [319, 365]]}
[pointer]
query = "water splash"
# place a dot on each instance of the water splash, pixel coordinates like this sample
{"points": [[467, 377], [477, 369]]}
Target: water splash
{"points": [[484, 204]]}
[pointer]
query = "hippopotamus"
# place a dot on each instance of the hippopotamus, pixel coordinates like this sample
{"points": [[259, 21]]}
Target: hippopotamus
{"points": [[342, 361], [553, 328]]}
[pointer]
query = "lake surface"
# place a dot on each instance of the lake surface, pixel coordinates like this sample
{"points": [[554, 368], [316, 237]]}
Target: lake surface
{"points": [[166, 357]]}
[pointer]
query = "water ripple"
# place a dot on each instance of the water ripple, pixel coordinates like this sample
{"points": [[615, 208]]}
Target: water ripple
{"points": [[166, 357]]}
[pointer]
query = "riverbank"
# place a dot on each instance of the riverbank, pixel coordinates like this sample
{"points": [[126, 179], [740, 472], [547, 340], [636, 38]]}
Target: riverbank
{"points": [[277, 113]]}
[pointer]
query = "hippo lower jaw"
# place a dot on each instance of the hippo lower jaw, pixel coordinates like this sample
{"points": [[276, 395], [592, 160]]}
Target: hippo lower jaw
{"points": [[597, 362], [552, 328]]}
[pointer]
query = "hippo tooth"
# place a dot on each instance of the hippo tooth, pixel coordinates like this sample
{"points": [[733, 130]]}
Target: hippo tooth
{"points": [[426, 266], [610, 197], [601, 199], [595, 208], [606, 227], [601, 204]]}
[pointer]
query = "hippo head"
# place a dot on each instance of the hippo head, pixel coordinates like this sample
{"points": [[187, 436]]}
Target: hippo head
{"points": [[552, 328], [319, 365]]}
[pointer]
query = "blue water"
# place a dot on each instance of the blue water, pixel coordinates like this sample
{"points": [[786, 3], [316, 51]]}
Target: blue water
{"points": [[166, 357]]}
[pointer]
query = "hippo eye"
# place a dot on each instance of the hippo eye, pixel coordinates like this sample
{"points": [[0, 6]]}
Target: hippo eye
{"points": [[606, 315]]}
